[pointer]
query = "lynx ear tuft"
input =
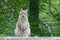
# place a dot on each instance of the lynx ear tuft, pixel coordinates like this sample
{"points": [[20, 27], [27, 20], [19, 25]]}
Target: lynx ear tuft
{"points": [[21, 9]]}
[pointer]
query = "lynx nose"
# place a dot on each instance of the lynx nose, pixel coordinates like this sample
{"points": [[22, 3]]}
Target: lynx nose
{"points": [[22, 16]]}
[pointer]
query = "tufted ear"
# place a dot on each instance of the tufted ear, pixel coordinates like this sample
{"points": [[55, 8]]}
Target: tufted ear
{"points": [[21, 9]]}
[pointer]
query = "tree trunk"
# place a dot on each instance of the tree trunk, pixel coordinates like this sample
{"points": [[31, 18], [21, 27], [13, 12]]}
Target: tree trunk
{"points": [[34, 16]]}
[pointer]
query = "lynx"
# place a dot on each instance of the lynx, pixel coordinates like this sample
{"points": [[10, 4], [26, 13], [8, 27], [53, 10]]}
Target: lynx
{"points": [[22, 27]]}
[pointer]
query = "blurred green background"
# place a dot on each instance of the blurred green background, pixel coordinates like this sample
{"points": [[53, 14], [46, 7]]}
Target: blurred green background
{"points": [[49, 17]]}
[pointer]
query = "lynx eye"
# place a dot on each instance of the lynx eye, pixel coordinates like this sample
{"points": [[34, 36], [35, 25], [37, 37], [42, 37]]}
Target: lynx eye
{"points": [[24, 13]]}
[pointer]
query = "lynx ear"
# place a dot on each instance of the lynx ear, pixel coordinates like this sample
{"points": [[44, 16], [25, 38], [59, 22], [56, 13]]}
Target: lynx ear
{"points": [[21, 9], [26, 9]]}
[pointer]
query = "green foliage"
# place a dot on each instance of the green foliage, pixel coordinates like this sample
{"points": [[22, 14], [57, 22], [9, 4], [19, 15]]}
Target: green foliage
{"points": [[49, 12], [49, 15], [9, 11]]}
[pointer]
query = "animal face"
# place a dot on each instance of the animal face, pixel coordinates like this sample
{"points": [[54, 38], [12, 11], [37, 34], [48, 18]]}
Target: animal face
{"points": [[23, 14]]}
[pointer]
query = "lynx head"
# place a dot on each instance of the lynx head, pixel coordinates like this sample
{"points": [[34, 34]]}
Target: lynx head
{"points": [[23, 14]]}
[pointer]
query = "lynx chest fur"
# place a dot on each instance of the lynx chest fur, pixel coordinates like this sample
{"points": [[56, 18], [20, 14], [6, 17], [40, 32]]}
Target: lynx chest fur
{"points": [[23, 24]]}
